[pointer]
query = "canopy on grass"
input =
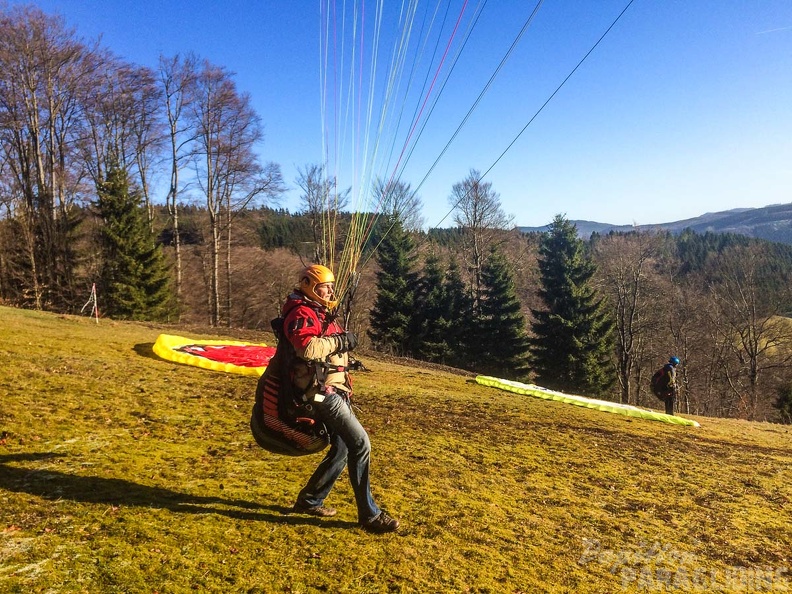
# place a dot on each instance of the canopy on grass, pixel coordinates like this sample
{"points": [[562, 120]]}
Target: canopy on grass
{"points": [[228, 356], [603, 405]]}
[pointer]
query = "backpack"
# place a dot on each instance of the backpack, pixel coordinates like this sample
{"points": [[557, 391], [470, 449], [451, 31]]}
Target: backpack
{"points": [[659, 383], [280, 422]]}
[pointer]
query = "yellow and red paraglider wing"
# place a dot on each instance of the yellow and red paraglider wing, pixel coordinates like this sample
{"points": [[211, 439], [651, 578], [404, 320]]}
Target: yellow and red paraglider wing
{"points": [[228, 356]]}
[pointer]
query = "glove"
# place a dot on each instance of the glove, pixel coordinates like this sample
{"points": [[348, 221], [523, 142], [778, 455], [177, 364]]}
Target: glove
{"points": [[347, 341], [356, 364]]}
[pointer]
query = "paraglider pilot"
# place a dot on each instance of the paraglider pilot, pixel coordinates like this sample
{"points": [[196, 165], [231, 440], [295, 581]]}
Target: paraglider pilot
{"points": [[321, 371], [671, 385]]}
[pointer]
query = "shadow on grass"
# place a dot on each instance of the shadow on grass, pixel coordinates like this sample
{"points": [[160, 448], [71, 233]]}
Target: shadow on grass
{"points": [[146, 349], [56, 485]]}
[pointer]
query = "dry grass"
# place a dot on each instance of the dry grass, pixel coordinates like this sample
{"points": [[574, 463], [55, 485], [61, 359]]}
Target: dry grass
{"points": [[120, 472]]}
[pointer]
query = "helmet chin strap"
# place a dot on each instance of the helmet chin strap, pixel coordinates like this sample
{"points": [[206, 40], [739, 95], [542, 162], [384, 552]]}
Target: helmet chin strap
{"points": [[331, 305]]}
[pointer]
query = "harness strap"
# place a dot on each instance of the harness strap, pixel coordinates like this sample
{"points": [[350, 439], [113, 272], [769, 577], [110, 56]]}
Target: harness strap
{"points": [[327, 367]]}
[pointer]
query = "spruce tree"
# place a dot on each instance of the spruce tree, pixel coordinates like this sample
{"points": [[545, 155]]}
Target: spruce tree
{"points": [[502, 344], [432, 315], [392, 315], [571, 346], [134, 279], [460, 335], [784, 404]]}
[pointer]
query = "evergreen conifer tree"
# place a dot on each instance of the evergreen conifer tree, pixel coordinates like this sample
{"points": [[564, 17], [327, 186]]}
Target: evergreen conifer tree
{"points": [[502, 344], [572, 339], [784, 404], [392, 315], [134, 279], [432, 316], [460, 335]]}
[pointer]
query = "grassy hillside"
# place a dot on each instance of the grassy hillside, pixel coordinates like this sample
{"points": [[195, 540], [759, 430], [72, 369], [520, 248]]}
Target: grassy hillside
{"points": [[121, 472]]}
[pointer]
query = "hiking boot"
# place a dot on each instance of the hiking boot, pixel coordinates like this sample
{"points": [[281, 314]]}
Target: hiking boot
{"points": [[381, 523], [313, 510]]}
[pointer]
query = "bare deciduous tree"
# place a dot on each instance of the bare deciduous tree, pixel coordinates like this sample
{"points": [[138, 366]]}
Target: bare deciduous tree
{"points": [[177, 79], [478, 213], [109, 112], [397, 200], [321, 201], [42, 66], [228, 170], [148, 130], [749, 297], [625, 267]]}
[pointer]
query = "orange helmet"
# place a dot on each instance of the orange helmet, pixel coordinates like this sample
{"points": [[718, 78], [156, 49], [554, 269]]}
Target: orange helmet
{"points": [[316, 274]]}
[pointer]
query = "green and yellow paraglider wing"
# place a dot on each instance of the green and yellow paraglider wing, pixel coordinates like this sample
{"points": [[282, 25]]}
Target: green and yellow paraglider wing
{"points": [[228, 356], [603, 405]]}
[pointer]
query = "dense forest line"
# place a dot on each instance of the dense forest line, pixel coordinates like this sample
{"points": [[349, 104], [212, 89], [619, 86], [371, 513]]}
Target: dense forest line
{"points": [[716, 300]]}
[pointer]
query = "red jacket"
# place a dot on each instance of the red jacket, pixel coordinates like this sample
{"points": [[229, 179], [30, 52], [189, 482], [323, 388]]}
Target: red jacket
{"points": [[309, 327]]}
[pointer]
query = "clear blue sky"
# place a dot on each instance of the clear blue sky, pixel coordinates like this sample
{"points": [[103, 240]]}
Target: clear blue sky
{"points": [[684, 108]]}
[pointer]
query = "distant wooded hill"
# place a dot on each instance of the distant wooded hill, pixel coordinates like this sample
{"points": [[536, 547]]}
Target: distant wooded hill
{"points": [[773, 223]]}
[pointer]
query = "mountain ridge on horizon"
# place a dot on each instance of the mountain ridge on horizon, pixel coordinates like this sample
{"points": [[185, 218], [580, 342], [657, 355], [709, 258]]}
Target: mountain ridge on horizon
{"points": [[772, 223]]}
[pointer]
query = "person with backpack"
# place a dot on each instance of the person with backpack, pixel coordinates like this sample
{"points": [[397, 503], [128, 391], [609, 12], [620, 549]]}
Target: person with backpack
{"points": [[664, 384], [320, 372]]}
